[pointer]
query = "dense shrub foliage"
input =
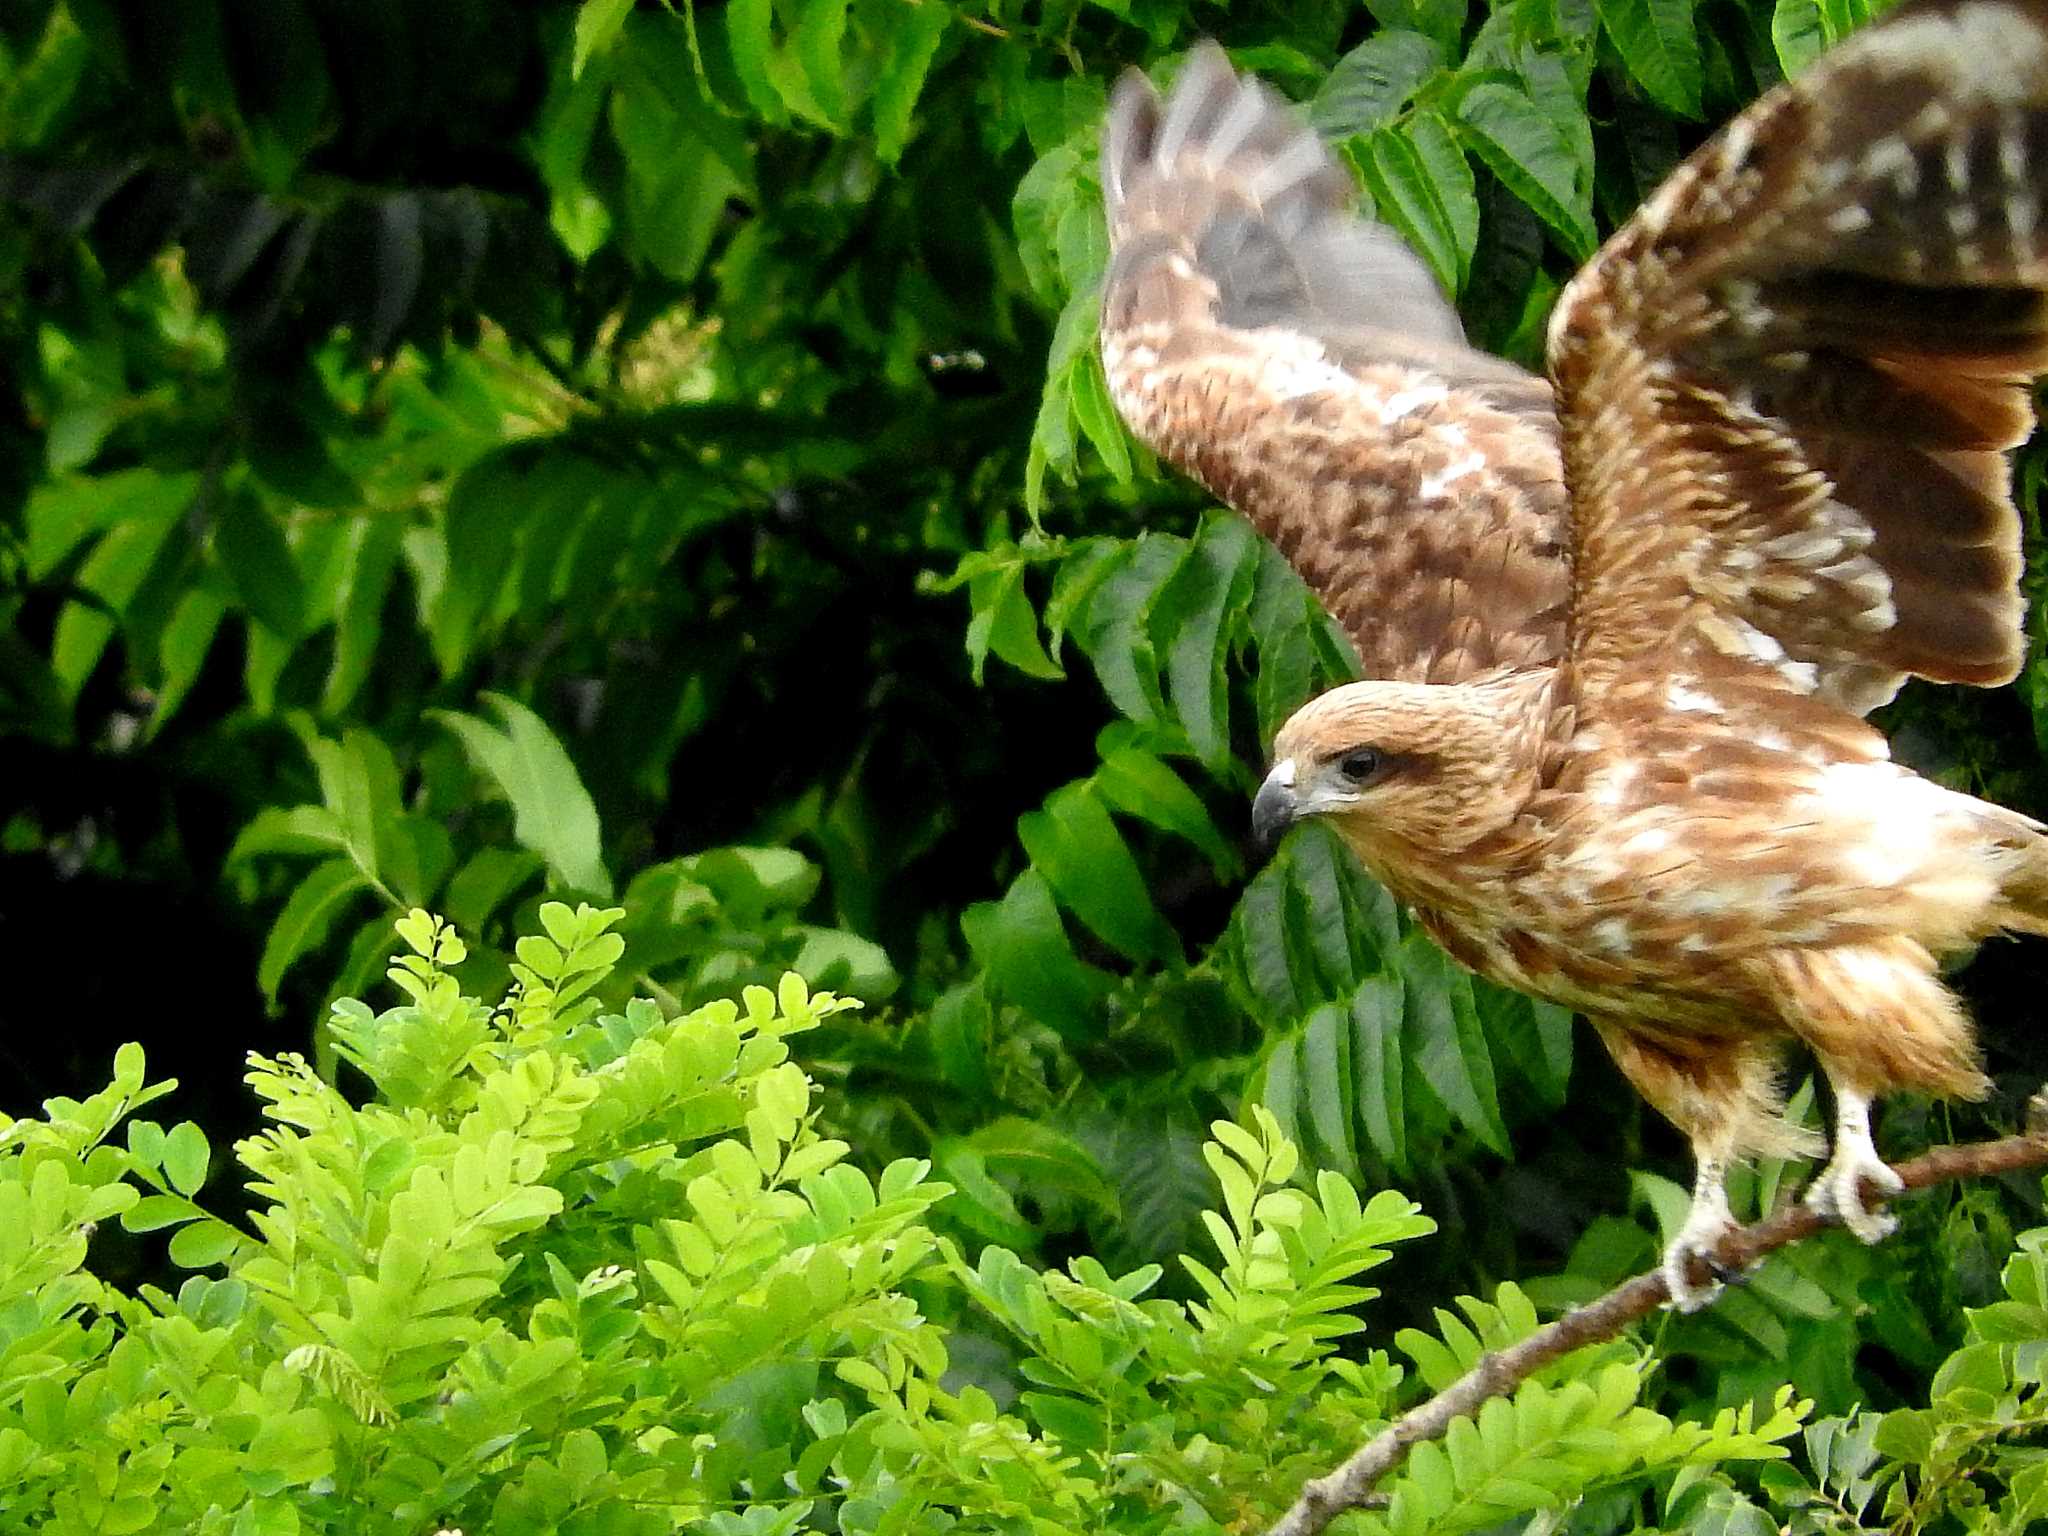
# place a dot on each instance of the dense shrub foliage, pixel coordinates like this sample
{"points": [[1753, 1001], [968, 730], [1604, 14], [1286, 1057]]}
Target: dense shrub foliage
{"points": [[635, 480]]}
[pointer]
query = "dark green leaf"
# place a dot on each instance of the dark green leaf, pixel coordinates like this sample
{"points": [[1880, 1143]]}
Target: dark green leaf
{"points": [[1114, 630], [1374, 81], [1327, 1072], [253, 553], [1524, 149], [1139, 784], [1029, 956], [1450, 180], [1379, 1045], [1076, 846], [1197, 621], [1439, 20], [1655, 39], [1448, 1045], [1405, 197], [304, 923]]}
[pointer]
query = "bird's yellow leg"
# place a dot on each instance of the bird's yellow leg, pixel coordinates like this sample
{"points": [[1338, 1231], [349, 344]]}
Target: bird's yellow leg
{"points": [[1838, 1189]]}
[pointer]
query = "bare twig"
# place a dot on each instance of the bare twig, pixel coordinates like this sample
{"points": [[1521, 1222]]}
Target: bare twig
{"points": [[1353, 1485]]}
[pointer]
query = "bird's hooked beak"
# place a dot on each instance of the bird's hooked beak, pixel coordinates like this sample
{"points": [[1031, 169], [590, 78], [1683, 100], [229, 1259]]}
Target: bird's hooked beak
{"points": [[1275, 807]]}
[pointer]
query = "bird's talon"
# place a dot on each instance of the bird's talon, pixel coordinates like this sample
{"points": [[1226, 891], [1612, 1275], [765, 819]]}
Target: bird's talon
{"points": [[1705, 1225], [1725, 1273], [1685, 1296], [1837, 1192]]}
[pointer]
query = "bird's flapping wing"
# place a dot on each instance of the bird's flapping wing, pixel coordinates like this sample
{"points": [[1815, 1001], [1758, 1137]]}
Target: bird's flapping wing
{"points": [[1787, 384], [1302, 363]]}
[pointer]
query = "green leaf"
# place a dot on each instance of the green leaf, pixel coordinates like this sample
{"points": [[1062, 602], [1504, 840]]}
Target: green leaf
{"points": [[820, 31], [1005, 622], [1026, 950], [304, 923], [683, 162], [1046, 1161], [483, 884], [1076, 846], [597, 26], [288, 829], [1439, 20], [1140, 784], [1450, 181], [1282, 612], [1197, 619], [203, 1244], [1374, 81], [112, 574], [1656, 40], [913, 42], [1327, 1072], [553, 813], [185, 1158], [1088, 391], [183, 648], [152, 1213], [1379, 1047], [64, 513], [978, 1201], [750, 30], [259, 564], [372, 564], [1447, 1043], [1406, 198], [1797, 34], [1114, 629], [1526, 151]]}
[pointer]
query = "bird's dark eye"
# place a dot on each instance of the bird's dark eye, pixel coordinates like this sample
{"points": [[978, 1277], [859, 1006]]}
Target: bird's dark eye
{"points": [[1360, 765]]}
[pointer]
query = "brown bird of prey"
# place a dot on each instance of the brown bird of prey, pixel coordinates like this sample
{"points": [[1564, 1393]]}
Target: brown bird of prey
{"points": [[1623, 625]]}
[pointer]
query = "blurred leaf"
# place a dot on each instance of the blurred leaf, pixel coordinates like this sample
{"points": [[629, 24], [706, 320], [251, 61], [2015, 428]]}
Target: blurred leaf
{"points": [[253, 553], [307, 917], [913, 44], [1656, 41], [553, 813], [1374, 81], [597, 24], [1031, 960]]}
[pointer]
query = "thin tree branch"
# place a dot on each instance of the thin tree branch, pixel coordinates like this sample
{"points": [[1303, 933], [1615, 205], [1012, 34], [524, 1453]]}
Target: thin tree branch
{"points": [[1353, 1485]]}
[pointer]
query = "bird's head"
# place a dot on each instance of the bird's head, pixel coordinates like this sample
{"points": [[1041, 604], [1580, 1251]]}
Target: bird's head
{"points": [[1400, 768]]}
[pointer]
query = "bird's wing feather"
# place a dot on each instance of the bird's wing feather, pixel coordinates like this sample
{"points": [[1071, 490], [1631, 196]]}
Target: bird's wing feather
{"points": [[1302, 364], [1787, 384]]}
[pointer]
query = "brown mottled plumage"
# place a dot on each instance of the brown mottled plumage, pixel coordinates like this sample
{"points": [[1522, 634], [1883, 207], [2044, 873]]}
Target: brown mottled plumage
{"points": [[1613, 754]]}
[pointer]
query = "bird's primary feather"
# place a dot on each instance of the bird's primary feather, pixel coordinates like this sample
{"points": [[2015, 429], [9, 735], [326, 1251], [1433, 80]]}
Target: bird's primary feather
{"points": [[1622, 628]]}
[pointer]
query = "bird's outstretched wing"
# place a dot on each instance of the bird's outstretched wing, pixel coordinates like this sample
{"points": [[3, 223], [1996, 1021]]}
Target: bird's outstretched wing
{"points": [[1302, 364], [1787, 383]]}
